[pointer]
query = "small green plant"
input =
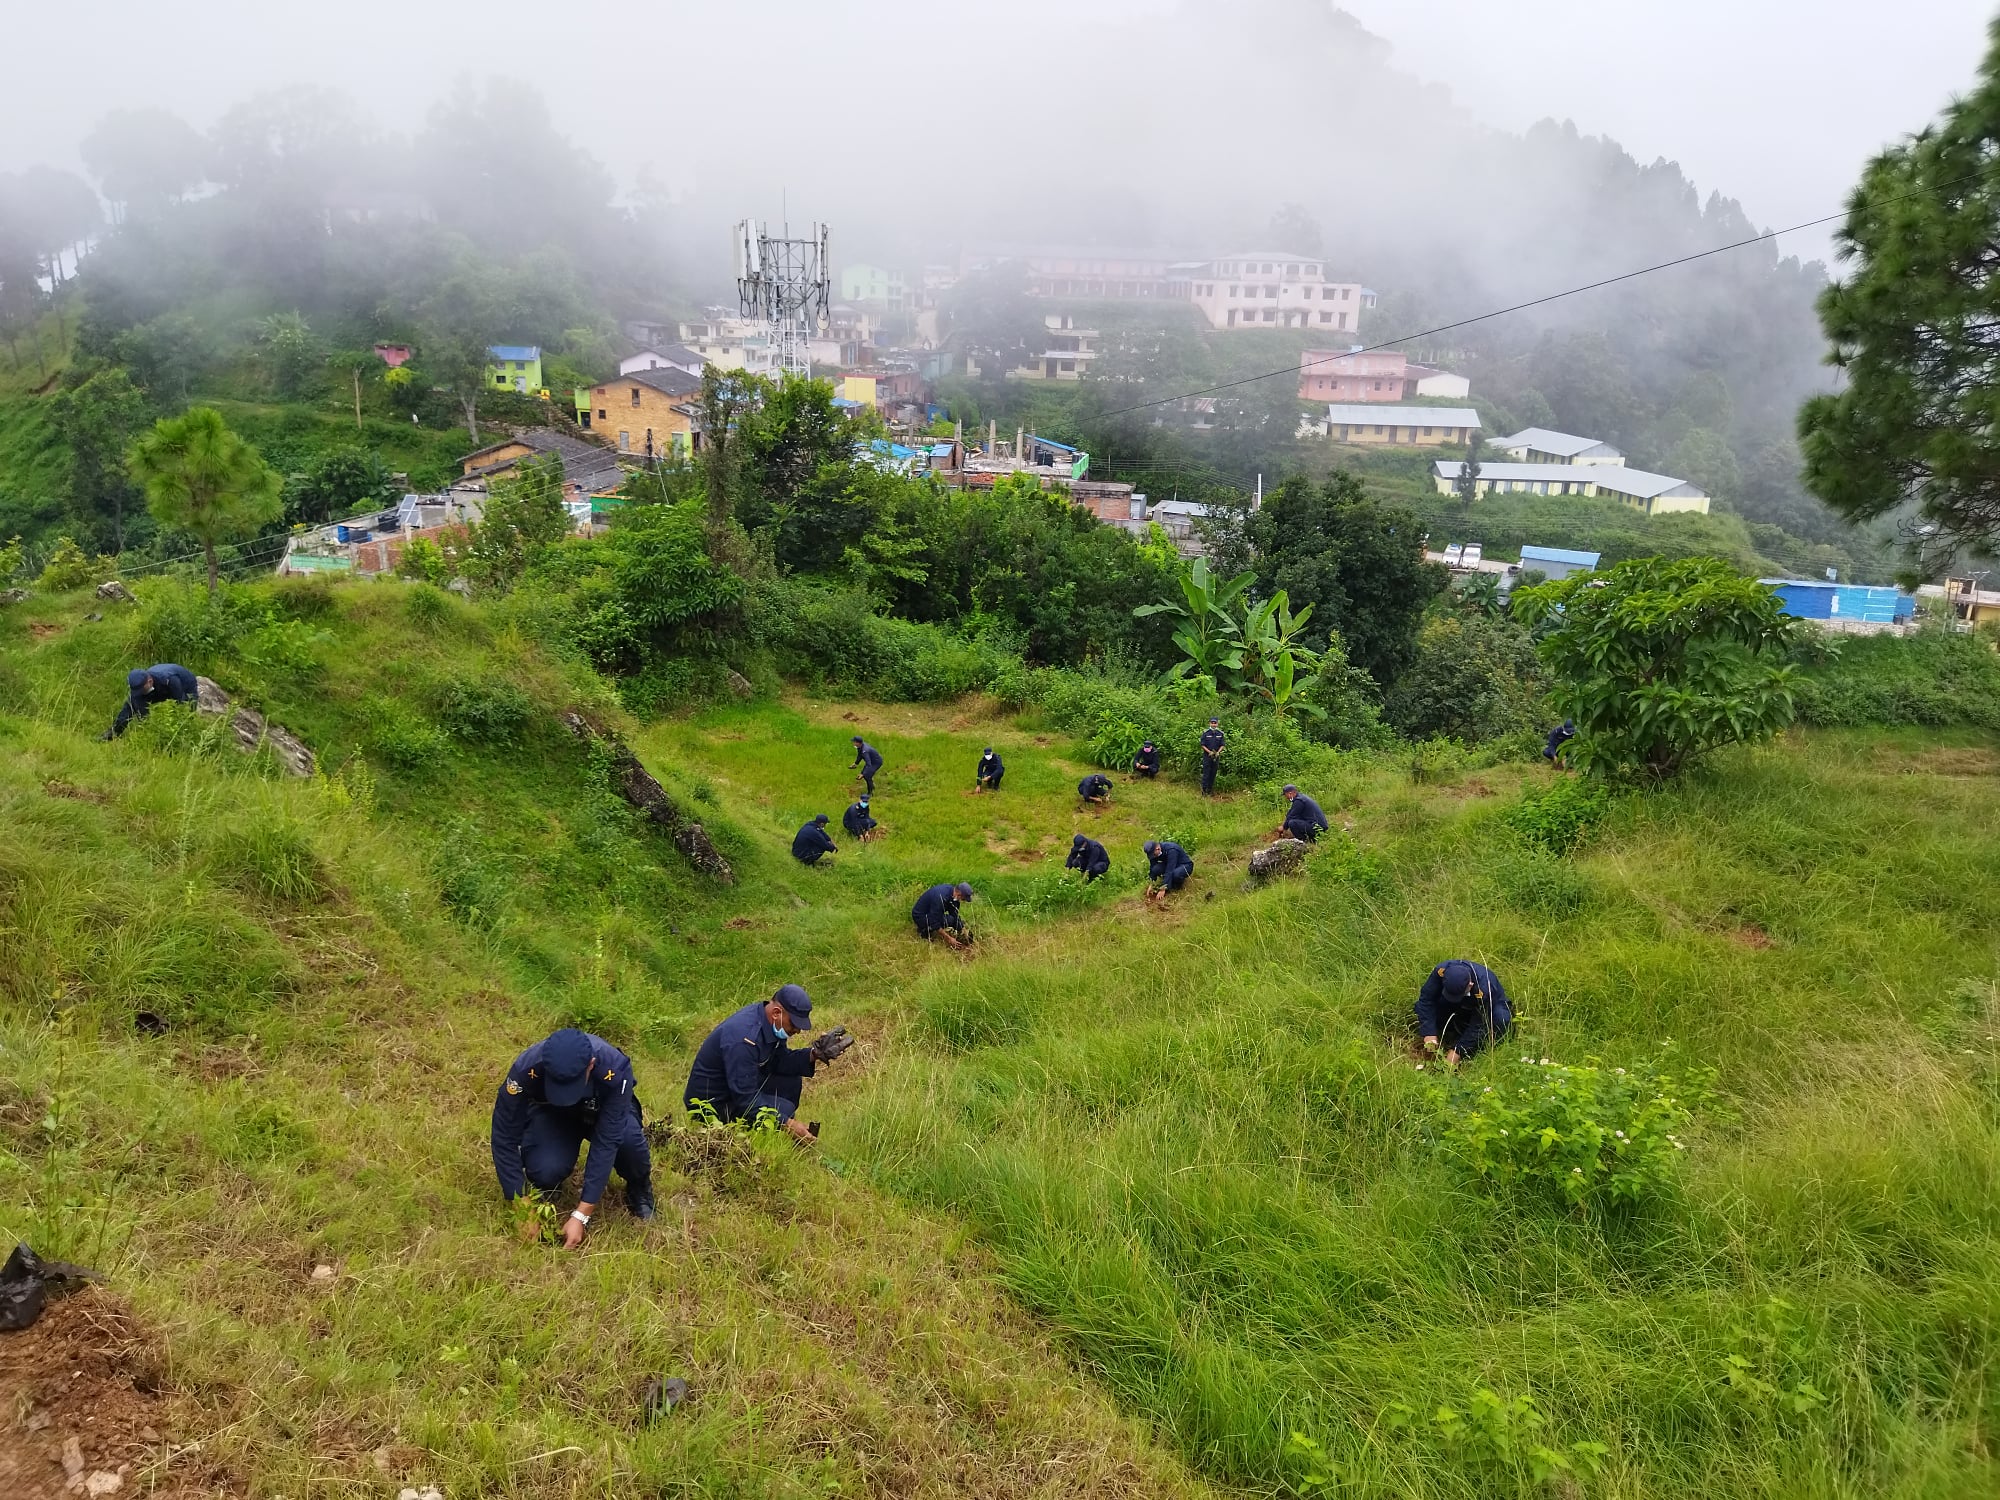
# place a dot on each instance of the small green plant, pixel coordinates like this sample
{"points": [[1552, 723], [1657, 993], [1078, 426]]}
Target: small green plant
{"points": [[12, 555], [1537, 883], [1437, 762], [272, 856], [425, 561], [1315, 1467], [1582, 1134], [483, 712], [1761, 1372], [70, 567], [1558, 818], [403, 738], [535, 1220]]}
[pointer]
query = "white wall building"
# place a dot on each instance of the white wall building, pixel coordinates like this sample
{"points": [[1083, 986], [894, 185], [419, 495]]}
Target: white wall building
{"points": [[1538, 445], [1273, 289]]}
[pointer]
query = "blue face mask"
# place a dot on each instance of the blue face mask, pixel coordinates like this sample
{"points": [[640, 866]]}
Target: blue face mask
{"points": [[782, 1033]]}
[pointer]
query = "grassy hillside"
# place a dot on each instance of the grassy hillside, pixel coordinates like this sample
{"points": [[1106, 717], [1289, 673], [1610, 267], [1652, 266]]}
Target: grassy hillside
{"points": [[1110, 1208]]}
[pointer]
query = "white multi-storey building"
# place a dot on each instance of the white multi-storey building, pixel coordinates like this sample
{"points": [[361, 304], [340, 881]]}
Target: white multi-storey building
{"points": [[1272, 289]]}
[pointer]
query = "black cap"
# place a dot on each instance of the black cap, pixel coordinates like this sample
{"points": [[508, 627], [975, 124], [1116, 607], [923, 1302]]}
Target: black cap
{"points": [[856, 739], [566, 1068], [1457, 976], [864, 801], [962, 891], [798, 1006], [1076, 842], [1150, 845], [1147, 746], [819, 817], [1215, 721], [987, 751], [1290, 790]]}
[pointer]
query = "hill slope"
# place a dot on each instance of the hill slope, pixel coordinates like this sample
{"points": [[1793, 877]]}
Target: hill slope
{"points": [[1190, 1141]]}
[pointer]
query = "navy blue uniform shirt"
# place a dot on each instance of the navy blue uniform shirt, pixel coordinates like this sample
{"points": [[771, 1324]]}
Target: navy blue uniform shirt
{"points": [[1169, 861], [1434, 1007], [856, 820], [812, 841], [936, 908], [737, 1061], [1088, 856], [610, 1110], [867, 755], [1304, 810]]}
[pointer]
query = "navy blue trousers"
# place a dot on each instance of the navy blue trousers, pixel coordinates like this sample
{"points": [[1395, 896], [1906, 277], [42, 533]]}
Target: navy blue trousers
{"points": [[554, 1139], [780, 1094]]}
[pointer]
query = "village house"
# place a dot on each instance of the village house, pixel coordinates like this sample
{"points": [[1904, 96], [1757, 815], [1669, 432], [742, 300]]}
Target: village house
{"points": [[1330, 375], [1273, 289], [514, 367], [646, 413], [667, 357], [1067, 351], [1400, 426], [588, 468], [395, 356], [1649, 494], [1538, 445]]}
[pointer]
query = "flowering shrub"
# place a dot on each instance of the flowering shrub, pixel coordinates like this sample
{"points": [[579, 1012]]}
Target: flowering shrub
{"points": [[1586, 1133]]}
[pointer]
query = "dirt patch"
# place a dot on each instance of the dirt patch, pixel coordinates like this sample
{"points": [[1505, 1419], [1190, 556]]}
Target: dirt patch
{"points": [[42, 632], [1042, 741], [1962, 761], [1751, 935], [57, 787], [738, 924], [1477, 788], [1025, 856], [81, 1406]]}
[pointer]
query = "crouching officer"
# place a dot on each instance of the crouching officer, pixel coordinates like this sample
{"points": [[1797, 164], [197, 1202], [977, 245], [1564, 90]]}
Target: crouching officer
{"points": [[812, 841], [858, 821], [1146, 763], [991, 768], [1559, 736], [936, 914], [1461, 1007], [1087, 855], [1096, 787], [1168, 867], [145, 686], [1303, 818], [571, 1088], [744, 1067]]}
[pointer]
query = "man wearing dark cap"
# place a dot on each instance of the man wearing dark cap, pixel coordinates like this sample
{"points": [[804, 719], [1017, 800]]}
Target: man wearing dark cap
{"points": [[1096, 787], [1461, 1007], [812, 841], [869, 759], [1168, 867], [145, 686], [936, 914], [858, 821], [1303, 819], [1147, 762], [991, 769], [1559, 736], [744, 1067], [1087, 855], [1212, 741], [571, 1088]]}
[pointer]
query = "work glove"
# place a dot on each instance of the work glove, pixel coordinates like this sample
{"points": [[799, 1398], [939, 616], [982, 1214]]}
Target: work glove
{"points": [[826, 1048]]}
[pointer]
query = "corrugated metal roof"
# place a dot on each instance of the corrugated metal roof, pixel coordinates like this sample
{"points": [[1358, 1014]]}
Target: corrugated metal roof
{"points": [[1614, 477], [1545, 440], [1367, 415], [1560, 555]]}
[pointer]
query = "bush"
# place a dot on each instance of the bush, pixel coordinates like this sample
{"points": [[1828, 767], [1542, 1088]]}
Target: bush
{"points": [[1540, 884], [427, 604], [70, 567], [272, 857], [403, 738], [484, 712], [289, 648], [1937, 677], [1582, 1134], [1561, 816], [304, 599], [184, 623], [425, 561]]}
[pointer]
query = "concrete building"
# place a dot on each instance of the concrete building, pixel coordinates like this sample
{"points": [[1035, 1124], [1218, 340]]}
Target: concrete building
{"points": [[514, 367], [1538, 445], [669, 357], [1089, 271], [1331, 375], [1273, 289], [1649, 494], [1557, 562], [647, 413], [1067, 351], [1400, 426], [1422, 380], [874, 286]]}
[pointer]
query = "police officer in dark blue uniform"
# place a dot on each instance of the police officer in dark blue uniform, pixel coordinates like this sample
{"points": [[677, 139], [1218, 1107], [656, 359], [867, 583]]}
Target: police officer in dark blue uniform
{"points": [[812, 841], [857, 820], [145, 686], [936, 914], [1087, 855], [991, 768], [1559, 736], [1146, 763], [744, 1067], [1461, 1007], [1303, 819], [869, 759], [1096, 787], [568, 1089], [1168, 867], [1212, 741]]}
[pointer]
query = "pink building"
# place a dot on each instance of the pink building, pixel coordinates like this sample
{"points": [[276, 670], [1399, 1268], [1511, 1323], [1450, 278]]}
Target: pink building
{"points": [[395, 356], [1328, 375]]}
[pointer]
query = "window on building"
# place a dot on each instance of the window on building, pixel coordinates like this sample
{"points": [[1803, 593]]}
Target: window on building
{"points": [[1378, 429], [1427, 432], [1343, 320], [1232, 317], [1270, 291], [635, 395], [1326, 317], [603, 415], [1270, 316]]}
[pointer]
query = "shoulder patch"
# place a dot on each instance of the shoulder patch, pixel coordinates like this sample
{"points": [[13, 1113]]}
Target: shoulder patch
{"points": [[513, 1086]]}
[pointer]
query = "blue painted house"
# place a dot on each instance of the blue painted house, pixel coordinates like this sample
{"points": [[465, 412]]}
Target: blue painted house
{"points": [[1811, 599], [1557, 562]]}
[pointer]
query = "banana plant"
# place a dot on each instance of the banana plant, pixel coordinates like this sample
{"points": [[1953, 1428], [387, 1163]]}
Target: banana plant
{"points": [[1281, 670], [1208, 633]]}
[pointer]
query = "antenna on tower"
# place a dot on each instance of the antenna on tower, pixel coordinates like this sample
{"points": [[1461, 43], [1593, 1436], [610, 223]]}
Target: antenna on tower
{"points": [[785, 283]]}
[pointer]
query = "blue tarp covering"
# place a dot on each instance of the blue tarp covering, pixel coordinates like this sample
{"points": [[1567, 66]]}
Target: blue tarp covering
{"points": [[1810, 599], [1558, 555]]}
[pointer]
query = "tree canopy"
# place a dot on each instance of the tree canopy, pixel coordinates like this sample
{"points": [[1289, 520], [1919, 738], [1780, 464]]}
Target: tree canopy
{"points": [[203, 479]]}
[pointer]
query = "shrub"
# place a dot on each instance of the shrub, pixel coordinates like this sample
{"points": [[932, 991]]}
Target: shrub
{"points": [[70, 567], [402, 737], [1437, 762], [484, 711], [12, 556], [427, 604], [1583, 1134], [1939, 676], [425, 561], [304, 599], [1561, 816], [177, 622], [290, 648], [273, 856]]}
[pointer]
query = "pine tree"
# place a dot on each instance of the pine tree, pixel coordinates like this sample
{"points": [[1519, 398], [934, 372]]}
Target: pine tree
{"points": [[1467, 484], [201, 478]]}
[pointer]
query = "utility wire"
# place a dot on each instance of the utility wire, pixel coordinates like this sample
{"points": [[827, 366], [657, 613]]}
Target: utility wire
{"points": [[1665, 265]]}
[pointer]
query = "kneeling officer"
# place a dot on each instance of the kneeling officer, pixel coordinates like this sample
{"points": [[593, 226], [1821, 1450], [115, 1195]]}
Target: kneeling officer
{"points": [[145, 686], [1460, 1008], [571, 1088], [812, 841], [744, 1066], [1089, 856]]}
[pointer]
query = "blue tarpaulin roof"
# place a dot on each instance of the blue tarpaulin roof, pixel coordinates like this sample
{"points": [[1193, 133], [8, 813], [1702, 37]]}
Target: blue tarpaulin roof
{"points": [[1052, 443], [515, 351]]}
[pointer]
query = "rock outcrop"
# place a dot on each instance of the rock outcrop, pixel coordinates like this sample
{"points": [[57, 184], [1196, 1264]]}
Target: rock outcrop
{"points": [[1282, 858], [111, 588], [638, 786], [252, 729]]}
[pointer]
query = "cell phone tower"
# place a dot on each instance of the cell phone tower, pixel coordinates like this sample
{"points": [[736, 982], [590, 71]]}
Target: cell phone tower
{"points": [[784, 282]]}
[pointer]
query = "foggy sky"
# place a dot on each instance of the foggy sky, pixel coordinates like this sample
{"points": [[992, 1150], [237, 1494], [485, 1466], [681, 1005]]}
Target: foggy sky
{"points": [[1774, 102]]}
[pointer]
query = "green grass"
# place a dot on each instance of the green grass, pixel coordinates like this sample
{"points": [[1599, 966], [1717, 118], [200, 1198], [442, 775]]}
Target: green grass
{"points": [[1127, 1196]]}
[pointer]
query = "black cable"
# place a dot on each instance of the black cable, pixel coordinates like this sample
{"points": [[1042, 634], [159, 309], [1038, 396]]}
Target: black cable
{"points": [[1665, 265]]}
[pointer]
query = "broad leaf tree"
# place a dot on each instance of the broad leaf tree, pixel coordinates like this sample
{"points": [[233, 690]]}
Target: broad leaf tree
{"points": [[1915, 328], [1207, 630], [1661, 663], [201, 478]]}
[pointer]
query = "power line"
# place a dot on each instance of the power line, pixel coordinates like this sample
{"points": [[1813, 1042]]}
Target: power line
{"points": [[1665, 265]]}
